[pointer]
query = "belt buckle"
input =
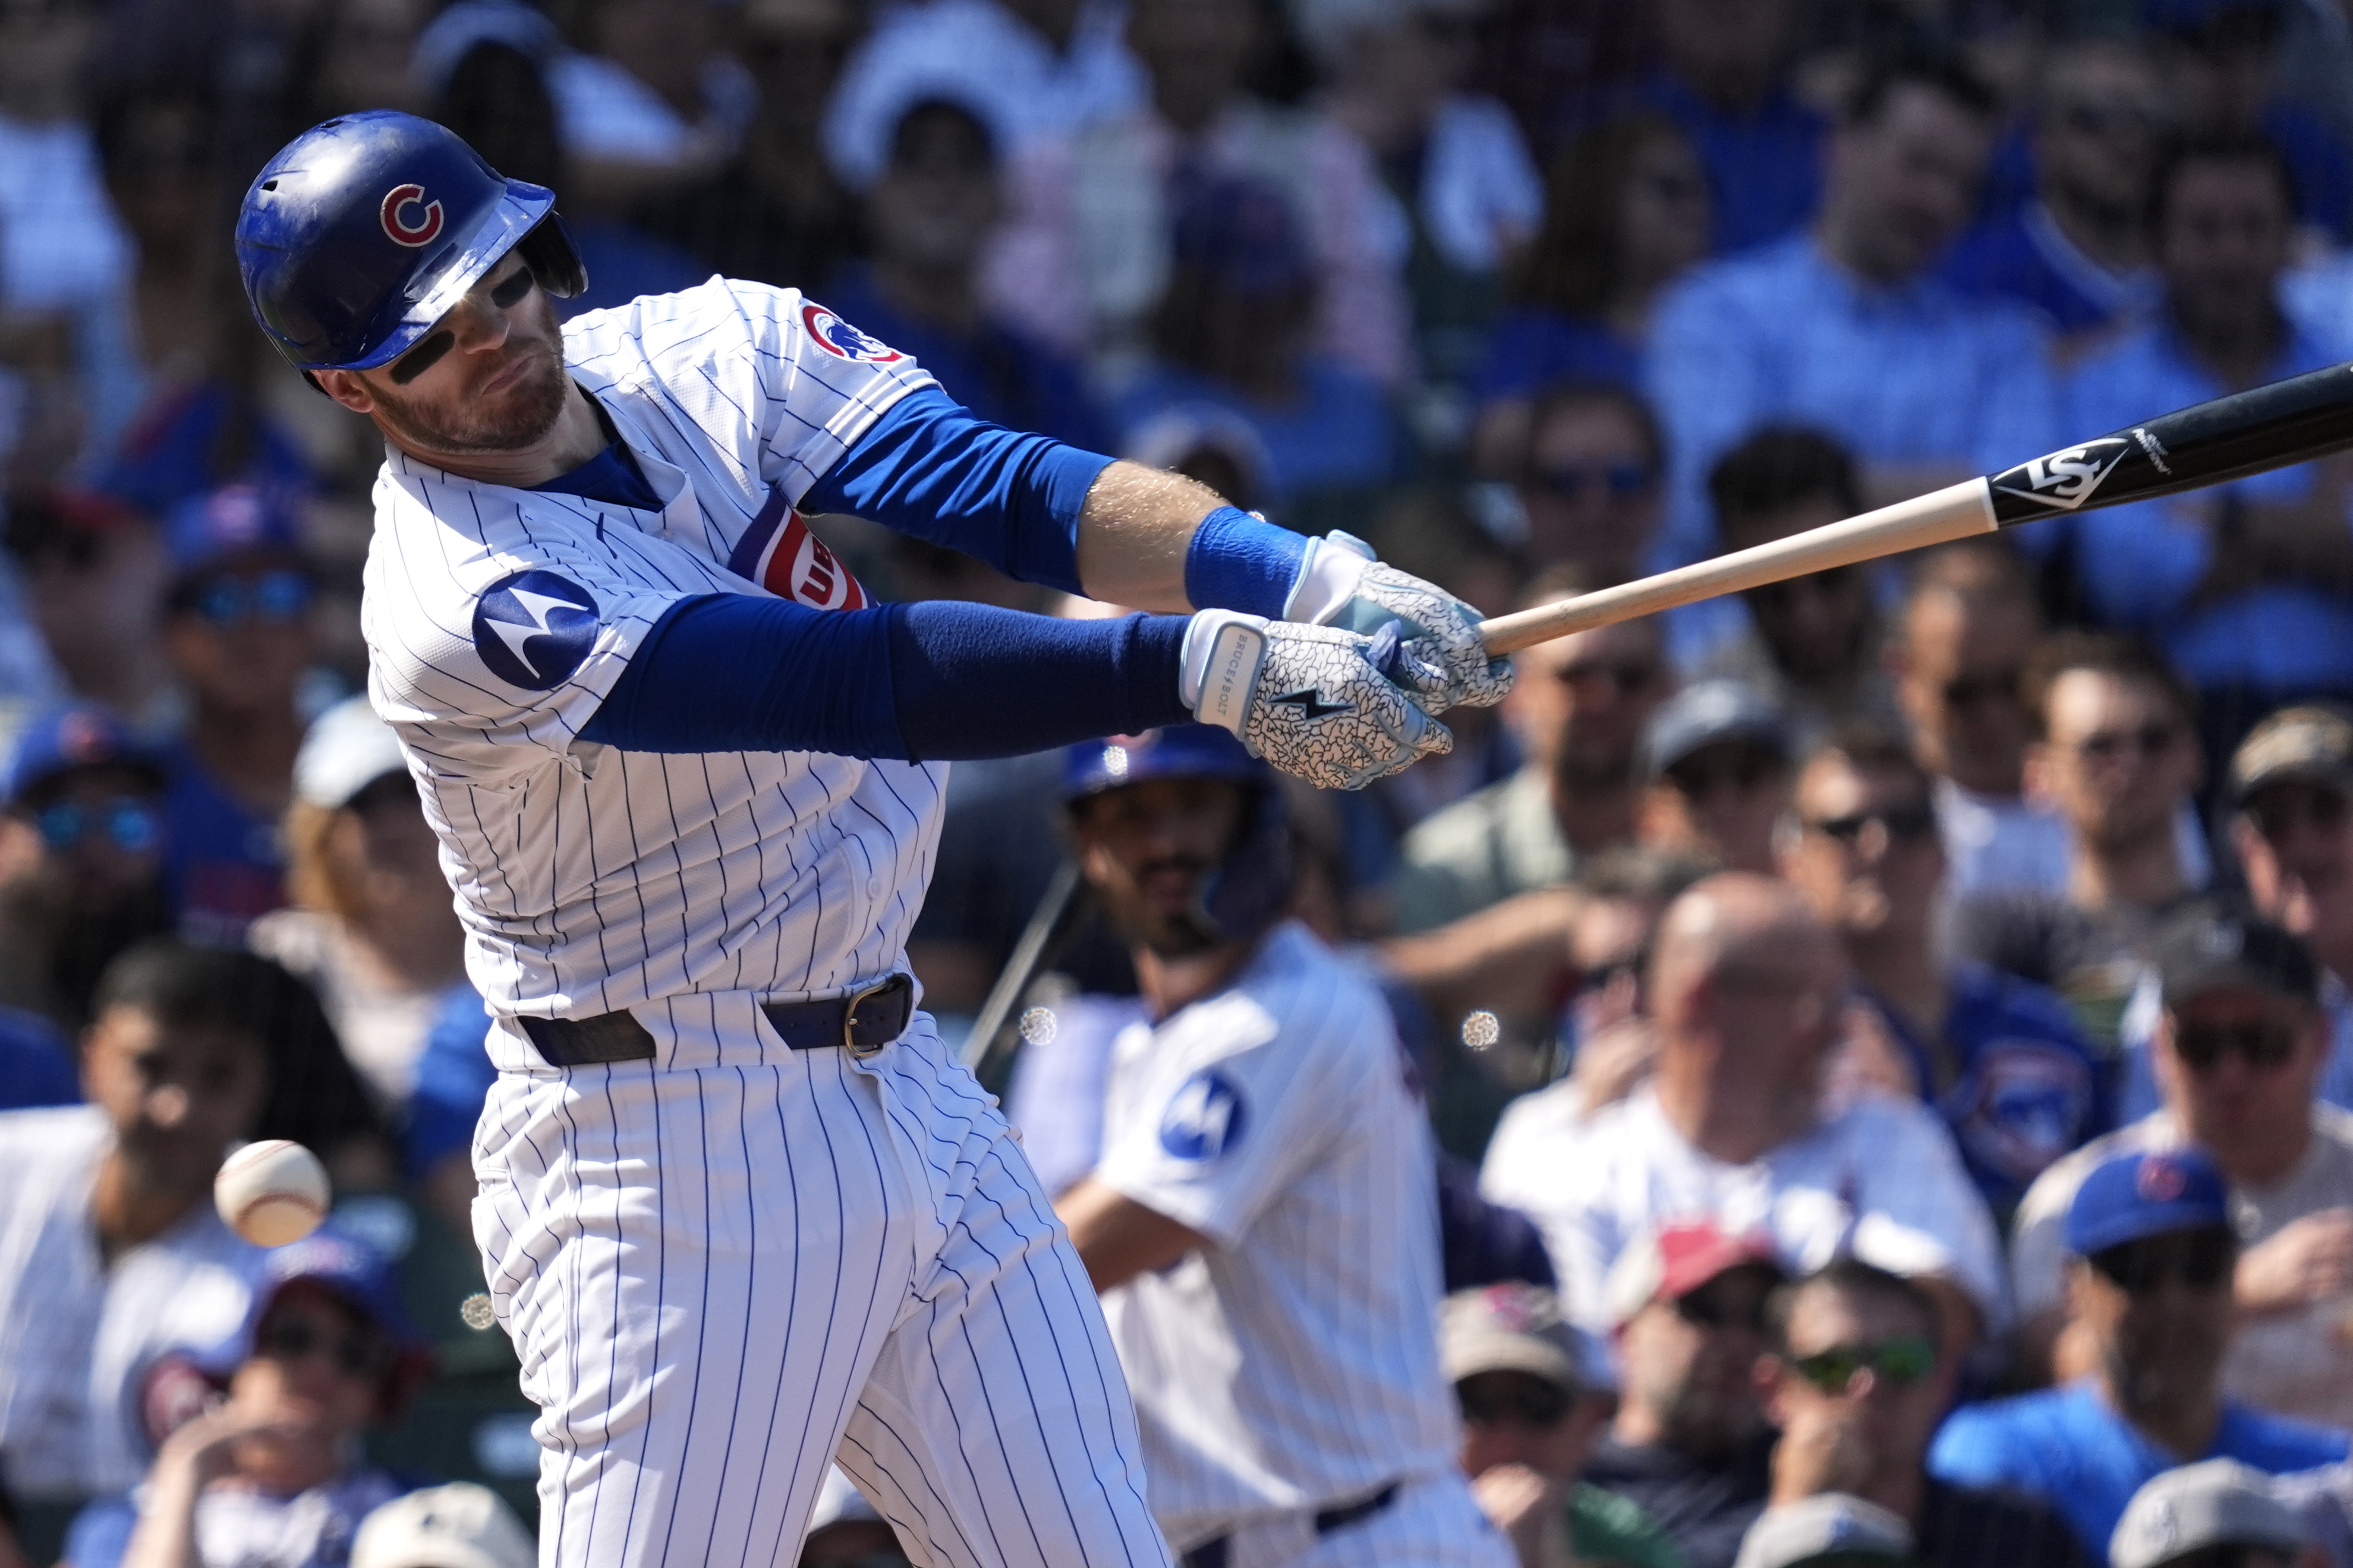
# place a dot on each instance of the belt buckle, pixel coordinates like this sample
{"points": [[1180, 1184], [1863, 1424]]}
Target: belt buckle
{"points": [[849, 1019]]}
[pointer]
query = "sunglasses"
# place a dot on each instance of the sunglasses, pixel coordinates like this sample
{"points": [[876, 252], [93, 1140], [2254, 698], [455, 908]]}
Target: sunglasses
{"points": [[1619, 481], [1904, 824], [279, 597], [1530, 1401], [1743, 769], [2265, 1043], [2110, 745], [2283, 807], [1829, 581], [1708, 1308], [427, 354], [1899, 1363], [131, 825], [1969, 691], [1629, 676], [356, 1353], [2201, 1259]]}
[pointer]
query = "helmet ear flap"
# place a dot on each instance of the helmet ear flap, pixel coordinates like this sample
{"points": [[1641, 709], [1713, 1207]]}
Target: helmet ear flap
{"points": [[554, 261]]}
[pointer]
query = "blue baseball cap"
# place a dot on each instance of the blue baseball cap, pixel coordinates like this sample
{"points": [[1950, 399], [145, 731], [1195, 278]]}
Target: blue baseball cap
{"points": [[354, 1272], [73, 735], [1243, 236], [1179, 750], [2150, 1193], [233, 521]]}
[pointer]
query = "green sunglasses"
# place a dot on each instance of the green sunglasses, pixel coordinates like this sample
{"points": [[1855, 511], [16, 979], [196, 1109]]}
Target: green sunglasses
{"points": [[1901, 1361]]}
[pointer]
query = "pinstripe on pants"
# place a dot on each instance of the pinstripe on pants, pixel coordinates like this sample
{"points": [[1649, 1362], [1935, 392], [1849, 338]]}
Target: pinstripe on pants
{"points": [[720, 1266]]}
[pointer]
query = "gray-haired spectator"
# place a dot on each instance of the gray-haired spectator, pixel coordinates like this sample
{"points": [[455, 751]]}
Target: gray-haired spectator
{"points": [[459, 1525], [1717, 761], [2239, 1046], [2216, 1510], [1826, 1529]]}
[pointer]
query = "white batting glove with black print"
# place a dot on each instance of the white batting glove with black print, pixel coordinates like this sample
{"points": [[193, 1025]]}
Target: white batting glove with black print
{"points": [[1329, 706], [1342, 585]]}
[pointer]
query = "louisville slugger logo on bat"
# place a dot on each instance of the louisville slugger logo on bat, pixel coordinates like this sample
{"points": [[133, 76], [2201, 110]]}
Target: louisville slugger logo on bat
{"points": [[2065, 479]]}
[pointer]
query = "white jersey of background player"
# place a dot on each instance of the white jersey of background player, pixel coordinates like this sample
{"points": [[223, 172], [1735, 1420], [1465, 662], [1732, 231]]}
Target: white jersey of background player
{"points": [[1262, 1218], [738, 1208]]}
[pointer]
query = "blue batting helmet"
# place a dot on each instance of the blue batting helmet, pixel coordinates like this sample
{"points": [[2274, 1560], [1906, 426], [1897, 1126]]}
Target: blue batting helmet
{"points": [[1251, 887], [366, 229]]}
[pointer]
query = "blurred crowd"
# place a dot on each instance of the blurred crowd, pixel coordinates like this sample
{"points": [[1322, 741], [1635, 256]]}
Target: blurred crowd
{"points": [[1904, 1011]]}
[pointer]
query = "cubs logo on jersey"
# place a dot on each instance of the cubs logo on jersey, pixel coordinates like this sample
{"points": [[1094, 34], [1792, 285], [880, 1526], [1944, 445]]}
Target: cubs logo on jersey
{"points": [[2023, 1105], [840, 339], [534, 628], [780, 553], [1203, 1117]]}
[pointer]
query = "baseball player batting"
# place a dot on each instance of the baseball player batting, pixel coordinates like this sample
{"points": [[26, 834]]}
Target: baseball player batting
{"points": [[1262, 1220], [739, 1210]]}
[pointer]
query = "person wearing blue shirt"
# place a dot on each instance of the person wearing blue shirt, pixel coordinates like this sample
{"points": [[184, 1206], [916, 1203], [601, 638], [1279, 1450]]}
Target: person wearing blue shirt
{"points": [[2150, 1285], [2076, 250], [2222, 60], [929, 215], [2002, 1060], [2245, 584], [1232, 336], [1726, 85], [1846, 327]]}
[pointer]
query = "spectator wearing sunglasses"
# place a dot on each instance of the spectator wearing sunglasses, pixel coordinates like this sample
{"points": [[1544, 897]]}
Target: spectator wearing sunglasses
{"points": [[81, 855], [1959, 658], [1813, 642], [1577, 711], [2076, 250], [2000, 1059], [1591, 483], [1746, 992], [2216, 1514], [1688, 1445], [2292, 781], [2237, 1052], [1715, 759], [264, 1469], [237, 626], [94, 571], [1852, 1380], [2154, 1247], [1534, 1394], [2116, 752]]}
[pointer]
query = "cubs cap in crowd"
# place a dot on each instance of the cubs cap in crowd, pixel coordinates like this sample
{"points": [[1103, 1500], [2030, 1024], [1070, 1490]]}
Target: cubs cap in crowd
{"points": [[66, 737], [367, 228], [1176, 751], [2206, 947], [1831, 1527], [1516, 1327], [459, 1525], [1677, 1258], [2216, 1502], [359, 1277], [232, 522], [2295, 745], [1710, 713], [2151, 1194], [346, 748]]}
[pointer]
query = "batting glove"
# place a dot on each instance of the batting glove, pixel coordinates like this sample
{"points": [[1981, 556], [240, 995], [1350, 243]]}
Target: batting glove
{"points": [[1314, 702], [1342, 585]]}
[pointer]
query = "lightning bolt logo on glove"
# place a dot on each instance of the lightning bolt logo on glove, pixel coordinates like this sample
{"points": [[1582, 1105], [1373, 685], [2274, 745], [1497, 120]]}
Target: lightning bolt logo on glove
{"points": [[534, 628]]}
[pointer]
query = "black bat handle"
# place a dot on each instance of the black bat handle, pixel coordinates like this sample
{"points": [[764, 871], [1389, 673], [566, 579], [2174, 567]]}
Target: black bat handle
{"points": [[2251, 432]]}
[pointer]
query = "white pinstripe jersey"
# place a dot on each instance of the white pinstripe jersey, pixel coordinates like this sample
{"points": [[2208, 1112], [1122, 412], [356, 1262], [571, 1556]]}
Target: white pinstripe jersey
{"points": [[1293, 1363], [498, 619]]}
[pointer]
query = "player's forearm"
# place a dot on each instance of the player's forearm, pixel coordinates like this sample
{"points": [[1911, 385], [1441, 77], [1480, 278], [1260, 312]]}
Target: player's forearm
{"points": [[1135, 535], [1118, 1238]]}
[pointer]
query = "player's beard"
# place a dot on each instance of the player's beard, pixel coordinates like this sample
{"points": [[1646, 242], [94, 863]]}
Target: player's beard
{"points": [[516, 417], [1170, 933]]}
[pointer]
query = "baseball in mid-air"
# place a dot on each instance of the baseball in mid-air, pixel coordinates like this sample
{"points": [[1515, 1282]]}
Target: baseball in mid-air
{"points": [[271, 1192]]}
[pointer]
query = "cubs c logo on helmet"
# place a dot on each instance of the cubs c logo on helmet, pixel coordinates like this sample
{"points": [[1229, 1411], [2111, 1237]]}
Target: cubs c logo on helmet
{"points": [[398, 202], [534, 628], [840, 339]]}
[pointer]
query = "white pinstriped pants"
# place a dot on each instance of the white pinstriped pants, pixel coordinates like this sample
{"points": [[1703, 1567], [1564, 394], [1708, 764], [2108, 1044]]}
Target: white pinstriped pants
{"points": [[724, 1270]]}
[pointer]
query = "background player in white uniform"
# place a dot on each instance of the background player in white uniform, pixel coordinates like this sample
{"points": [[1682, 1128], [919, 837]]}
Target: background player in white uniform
{"points": [[738, 1207], [1263, 1221]]}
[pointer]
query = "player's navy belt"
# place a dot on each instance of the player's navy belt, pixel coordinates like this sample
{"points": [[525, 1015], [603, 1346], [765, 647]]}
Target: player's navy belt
{"points": [[1212, 1553], [861, 1023]]}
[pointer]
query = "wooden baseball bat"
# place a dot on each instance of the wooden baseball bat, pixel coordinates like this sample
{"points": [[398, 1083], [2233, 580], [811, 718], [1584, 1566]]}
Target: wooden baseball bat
{"points": [[2250, 432]]}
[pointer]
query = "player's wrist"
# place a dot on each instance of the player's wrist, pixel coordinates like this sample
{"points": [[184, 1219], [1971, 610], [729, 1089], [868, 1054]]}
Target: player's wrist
{"points": [[1238, 560], [1222, 652], [1328, 577]]}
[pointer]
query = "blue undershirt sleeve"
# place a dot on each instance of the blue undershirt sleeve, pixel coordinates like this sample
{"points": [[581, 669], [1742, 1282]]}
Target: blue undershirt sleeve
{"points": [[938, 681], [929, 468]]}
